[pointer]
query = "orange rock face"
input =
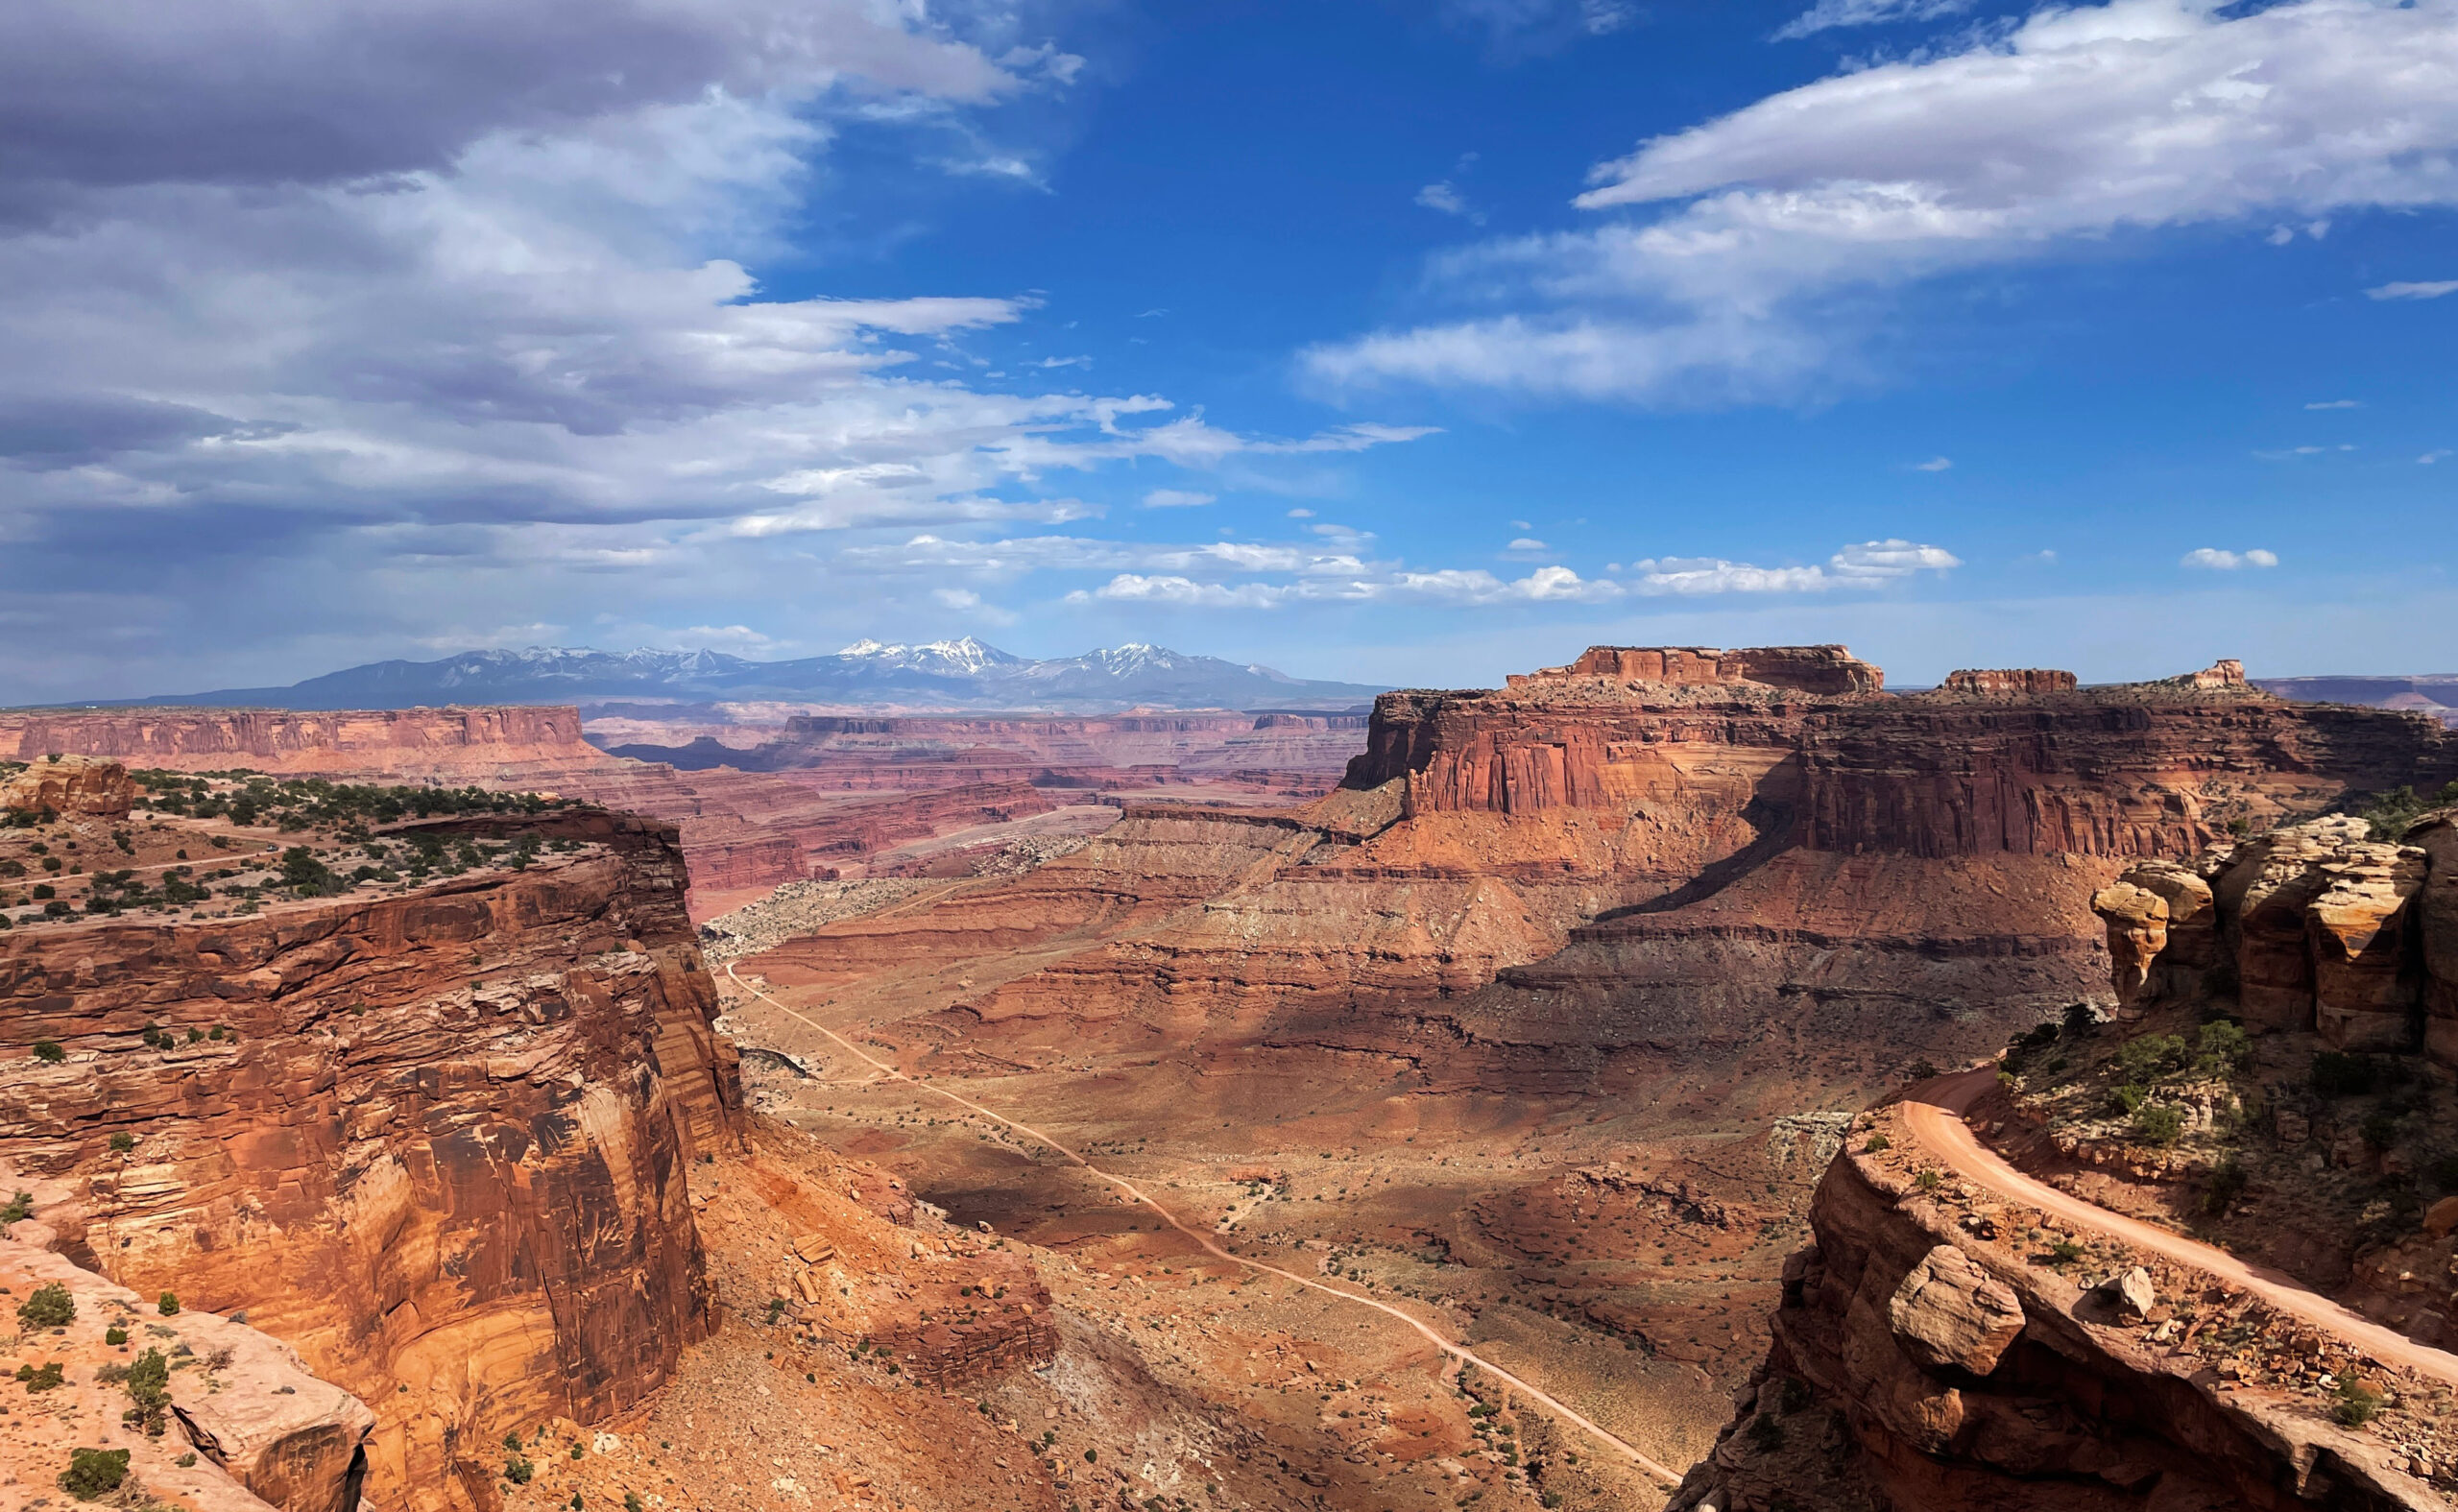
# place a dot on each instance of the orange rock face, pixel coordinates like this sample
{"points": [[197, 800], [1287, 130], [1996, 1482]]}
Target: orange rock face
{"points": [[71, 785], [2009, 682], [469, 744], [435, 1141]]}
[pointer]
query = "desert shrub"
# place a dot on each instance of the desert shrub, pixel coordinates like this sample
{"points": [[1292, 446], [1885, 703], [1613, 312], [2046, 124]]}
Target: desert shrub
{"points": [[2081, 1020], [2126, 1098], [169, 1305], [1928, 1181], [2335, 1073], [518, 1470], [49, 1307], [94, 1473], [114, 1335], [123, 1143], [22, 1205], [46, 1379], [2151, 1056], [50, 1051], [2158, 1123], [2226, 1183], [2223, 1046], [2356, 1404], [2064, 1252], [149, 1389], [1923, 1069], [632, 1502], [1877, 1142]]}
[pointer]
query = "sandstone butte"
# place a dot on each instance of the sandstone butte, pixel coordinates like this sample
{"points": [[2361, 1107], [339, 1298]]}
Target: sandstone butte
{"points": [[439, 1151], [1610, 876]]}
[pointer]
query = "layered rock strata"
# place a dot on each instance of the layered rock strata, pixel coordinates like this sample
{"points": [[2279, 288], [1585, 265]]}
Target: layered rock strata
{"points": [[435, 1141], [2307, 927], [471, 744], [1925, 1361]]}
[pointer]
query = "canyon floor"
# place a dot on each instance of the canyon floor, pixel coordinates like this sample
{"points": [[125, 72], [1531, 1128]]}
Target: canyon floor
{"points": [[1616, 1260]]}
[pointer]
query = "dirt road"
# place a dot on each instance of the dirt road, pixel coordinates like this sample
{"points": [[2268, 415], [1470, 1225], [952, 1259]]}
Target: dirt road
{"points": [[1933, 1112], [1458, 1352]]}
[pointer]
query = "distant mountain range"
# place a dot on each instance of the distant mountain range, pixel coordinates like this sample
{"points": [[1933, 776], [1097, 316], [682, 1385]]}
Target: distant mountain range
{"points": [[2434, 693], [945, 674]]}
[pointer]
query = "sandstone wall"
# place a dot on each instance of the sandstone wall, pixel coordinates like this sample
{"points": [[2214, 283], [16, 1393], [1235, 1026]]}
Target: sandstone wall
{"points": [[440, 1152], [467, 744], [2313, 926]]}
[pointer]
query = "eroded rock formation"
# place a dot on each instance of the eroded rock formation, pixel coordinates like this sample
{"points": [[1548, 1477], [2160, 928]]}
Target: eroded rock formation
{"points": [[469, 744], [2309, 927], [1919, 1368], [71, 785], [435, 1141]]}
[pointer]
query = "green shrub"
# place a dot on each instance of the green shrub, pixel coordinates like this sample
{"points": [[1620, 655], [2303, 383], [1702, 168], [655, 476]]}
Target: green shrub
{"points": [[114, 1335], [149, 1388], [1877, 1142], [49, 1307], [22, 1205], [2151, 1056], [2356, 1404], [123, 1143], [93, 1472], [2223, 1047], [1928, 1181], [169, 1305], [50, 1051], [2081, 1022], [2158, 1123], [518, 1470], [46, 1379], [2336, 1073], [2126, 1098], [2064, 1252]]}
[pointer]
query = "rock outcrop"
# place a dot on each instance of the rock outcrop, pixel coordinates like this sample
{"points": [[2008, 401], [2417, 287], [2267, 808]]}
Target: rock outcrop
{"points": [[255, 1430], [2009, 682], [71, 785], [2309, 927], [1919, 1368], [437, 1141]]}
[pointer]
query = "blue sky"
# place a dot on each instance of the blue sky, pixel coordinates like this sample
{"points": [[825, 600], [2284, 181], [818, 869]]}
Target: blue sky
{"points": [[1415, 342]]}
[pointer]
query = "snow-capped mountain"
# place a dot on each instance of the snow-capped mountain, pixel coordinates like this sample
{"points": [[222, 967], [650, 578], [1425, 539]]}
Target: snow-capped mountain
{"points": [[964, 674]]}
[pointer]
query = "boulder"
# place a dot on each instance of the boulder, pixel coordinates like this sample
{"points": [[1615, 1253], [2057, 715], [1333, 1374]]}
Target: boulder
{"points": [[2129, 1294], [71, 785], [2440, 1219], [1950, 1312]]}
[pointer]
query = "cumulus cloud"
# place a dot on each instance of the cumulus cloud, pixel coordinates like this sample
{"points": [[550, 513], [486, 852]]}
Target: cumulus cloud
{"points": [[2413, 291], [2212, 559], [1526, 543], [1176, 499], [1740, 249], [432, 312], [1447, 200]]}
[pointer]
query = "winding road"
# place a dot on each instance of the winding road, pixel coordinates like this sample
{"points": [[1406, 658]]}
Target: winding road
{"points": [[1933, 1112], [1458, 1352]]}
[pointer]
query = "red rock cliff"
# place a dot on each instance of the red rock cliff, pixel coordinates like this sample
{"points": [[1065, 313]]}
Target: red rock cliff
{"points": [[468, 743], [440, 1150]]}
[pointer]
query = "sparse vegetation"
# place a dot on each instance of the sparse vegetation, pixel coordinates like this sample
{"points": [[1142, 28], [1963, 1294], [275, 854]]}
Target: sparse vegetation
{"points": [[149, 1389], [2158, 1123], [2357, 1403], [1877, 1142], [169, 1305], [94, 1473], [49, 1377], [49, 1050], [50, 1307]]}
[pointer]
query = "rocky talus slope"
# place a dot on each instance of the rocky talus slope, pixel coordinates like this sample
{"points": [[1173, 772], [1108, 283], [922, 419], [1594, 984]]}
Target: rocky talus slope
{"points": [[1938, 1349], [436, 1140]]}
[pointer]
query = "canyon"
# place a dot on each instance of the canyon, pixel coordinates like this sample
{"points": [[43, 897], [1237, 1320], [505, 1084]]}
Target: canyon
{"points": [[1547, 1015]]}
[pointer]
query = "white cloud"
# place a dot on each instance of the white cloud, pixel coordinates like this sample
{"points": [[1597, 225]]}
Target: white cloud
{"points": [[2335, 404], [1445, 198], [1526, 543], [1933, 465], [1177, 499], [1828, 15], [1301, 514], [2431, 457], [956, 598], [2413, 291], [1752, 241], [2217, 561]]}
